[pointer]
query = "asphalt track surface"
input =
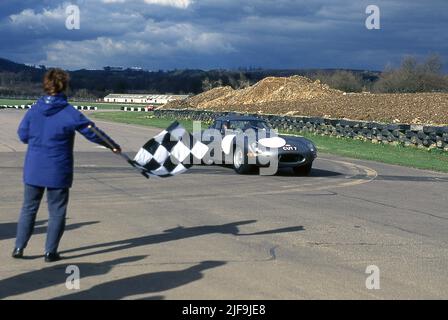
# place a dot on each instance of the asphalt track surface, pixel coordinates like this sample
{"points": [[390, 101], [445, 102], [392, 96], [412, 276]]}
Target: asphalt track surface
{"points": [[213, 234]]}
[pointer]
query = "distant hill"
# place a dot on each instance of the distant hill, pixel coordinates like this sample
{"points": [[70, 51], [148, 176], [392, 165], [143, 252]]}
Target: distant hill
{"points": [[10, 66], [20, 79]]}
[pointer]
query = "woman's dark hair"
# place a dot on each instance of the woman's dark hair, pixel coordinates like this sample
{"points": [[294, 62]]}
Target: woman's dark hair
{"points": [[55, 81]]}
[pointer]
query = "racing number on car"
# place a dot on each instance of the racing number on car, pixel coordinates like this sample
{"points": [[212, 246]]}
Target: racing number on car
{"points": [[288, 147]]}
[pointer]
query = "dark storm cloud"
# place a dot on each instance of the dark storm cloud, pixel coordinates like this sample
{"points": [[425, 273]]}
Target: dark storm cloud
{"points": [[222, 33]]}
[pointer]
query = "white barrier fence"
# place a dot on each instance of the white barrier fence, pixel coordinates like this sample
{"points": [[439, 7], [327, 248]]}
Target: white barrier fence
{"points": [[136, 109], [23, 106], [86, 108], [28, 106]]}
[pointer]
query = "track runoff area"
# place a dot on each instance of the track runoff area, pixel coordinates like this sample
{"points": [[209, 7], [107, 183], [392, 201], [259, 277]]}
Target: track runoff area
{"points": [[350, 230]]}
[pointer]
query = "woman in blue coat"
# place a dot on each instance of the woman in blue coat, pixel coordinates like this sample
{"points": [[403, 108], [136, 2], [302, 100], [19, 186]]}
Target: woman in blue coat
{"points": [[49, 130]]}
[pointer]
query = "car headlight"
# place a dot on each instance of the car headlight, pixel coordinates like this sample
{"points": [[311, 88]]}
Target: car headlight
{"points": [[310, 146]]}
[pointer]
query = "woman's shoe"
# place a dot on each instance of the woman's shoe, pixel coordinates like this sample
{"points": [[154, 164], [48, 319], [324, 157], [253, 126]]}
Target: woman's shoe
{"points": [[52, 257], [17, 253]]}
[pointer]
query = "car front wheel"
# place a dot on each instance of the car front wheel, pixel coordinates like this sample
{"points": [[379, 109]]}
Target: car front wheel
{"points": [[240, 162], [303, 170]]}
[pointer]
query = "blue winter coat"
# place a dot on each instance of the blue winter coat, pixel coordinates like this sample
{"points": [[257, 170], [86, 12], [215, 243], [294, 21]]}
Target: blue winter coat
{"points": [[49, 130]]}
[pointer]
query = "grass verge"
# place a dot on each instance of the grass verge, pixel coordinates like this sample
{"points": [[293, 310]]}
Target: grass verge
{"points": [[140, 118], [14, 102], [436, 160]]}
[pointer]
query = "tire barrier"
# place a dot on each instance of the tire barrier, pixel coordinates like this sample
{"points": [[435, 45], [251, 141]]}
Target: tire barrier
{"points": [[422, 136], [22, 106], [86, 108], [135, 109], [28, 106]]}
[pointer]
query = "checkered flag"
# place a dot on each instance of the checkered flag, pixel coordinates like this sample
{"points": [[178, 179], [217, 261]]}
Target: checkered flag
{"points": [[171, 152]]}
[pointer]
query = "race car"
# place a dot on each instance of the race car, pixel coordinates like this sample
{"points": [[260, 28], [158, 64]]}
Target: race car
{"points": [[259, 148]]}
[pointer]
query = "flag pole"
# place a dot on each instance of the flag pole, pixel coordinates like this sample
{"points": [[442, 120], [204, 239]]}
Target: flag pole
{"points": [[124, 156]]}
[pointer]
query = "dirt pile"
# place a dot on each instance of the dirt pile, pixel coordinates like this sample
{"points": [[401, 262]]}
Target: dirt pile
{"points": [[268, 90], [301, 96], [290, 89], [208, 97]]}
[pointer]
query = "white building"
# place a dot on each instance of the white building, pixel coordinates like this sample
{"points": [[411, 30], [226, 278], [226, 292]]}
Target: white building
{"points": [[143, 98]]}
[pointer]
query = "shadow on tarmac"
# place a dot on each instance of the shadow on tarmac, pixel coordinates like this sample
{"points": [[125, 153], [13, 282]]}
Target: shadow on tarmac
{"points": [[148, 283], [144, 283], [177, 233], [55, 275]]}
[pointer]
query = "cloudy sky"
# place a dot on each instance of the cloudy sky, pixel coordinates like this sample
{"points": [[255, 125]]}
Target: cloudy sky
{"points": [[208, 34]]}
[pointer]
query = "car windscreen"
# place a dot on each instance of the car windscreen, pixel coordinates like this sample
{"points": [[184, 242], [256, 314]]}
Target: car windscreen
{"points": [[248, 124]]}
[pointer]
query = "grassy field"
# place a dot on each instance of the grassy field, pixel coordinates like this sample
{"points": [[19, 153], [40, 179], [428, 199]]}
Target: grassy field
{"points": [[140, 118], [100, 105], [13, 102], [405, 156], [436, 160]]}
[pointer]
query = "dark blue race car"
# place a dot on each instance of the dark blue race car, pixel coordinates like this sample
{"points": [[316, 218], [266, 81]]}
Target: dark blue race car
{"points": [[250, 142]]}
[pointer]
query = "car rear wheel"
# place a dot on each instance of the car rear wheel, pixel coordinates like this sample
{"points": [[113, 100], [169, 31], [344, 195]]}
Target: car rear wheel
{"points": [[240, 162], [303, 170]]}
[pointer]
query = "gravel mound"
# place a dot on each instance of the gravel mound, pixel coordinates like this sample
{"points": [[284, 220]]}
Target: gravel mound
{"points": [[303, 97]]}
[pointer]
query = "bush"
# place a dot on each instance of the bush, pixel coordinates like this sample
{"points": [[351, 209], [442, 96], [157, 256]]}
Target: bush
{"points": [[342, 80], [412, 77]]}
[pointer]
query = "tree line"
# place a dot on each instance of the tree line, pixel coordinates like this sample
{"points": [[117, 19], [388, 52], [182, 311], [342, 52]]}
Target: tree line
{"points": [[411, 76]]}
